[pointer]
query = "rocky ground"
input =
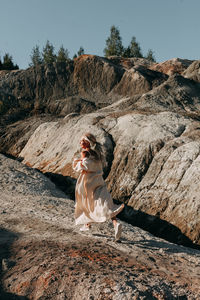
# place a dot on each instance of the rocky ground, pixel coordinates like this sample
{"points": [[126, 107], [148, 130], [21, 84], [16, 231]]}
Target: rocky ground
{"points": [[44, 256]]}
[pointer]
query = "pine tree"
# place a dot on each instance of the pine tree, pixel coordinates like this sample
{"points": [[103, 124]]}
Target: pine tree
{"points": [[150, 56], [8, 63], [63, 55], [36, 57], [135, 50], [80, 51], [127, 52], [0, 64], [48, 53], [114, 43]]}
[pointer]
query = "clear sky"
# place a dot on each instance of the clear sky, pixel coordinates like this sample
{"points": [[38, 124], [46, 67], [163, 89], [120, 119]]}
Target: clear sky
{"points": [[171, 28]]}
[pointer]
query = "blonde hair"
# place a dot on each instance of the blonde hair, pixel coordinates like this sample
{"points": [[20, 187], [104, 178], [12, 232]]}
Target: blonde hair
{"points": [[90, 138], [96, 150]]}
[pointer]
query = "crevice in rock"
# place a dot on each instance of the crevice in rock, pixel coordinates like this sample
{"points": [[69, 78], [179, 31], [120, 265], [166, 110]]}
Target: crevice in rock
{"points": [[163, 164], [149, 158], [65, 183], [180, 130], [11, 156]]}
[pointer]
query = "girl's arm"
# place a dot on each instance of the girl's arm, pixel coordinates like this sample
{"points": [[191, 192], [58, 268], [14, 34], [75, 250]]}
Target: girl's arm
{"points": [[81, 163]]}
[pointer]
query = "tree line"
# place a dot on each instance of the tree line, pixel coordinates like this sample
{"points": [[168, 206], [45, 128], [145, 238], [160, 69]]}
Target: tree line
{"points": [[48, 55], [114, 47]]}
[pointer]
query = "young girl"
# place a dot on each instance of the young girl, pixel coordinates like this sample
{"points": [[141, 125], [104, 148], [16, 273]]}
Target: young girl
{"points": [[94, 203]]}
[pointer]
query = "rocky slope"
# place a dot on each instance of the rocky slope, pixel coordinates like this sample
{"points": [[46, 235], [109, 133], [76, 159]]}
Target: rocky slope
{"points": [[44, 256], [147, 122], [82, 85], [147, 118], [88, 84]]}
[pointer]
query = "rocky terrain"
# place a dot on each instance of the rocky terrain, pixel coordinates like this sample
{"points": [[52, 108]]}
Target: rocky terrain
{"points": [[147, 118], [44, 256]]}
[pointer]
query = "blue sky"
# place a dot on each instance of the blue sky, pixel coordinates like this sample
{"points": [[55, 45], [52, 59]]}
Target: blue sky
{"points": [[171, 28]]}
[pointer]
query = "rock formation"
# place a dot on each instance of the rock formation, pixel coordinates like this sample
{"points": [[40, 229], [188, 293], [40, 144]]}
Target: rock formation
{"points": [[82, 85], [145, 115], [152, 160]]}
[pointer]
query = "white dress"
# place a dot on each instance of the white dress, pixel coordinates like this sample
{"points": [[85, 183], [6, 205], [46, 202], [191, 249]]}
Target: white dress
{"points": [[94, 203]]}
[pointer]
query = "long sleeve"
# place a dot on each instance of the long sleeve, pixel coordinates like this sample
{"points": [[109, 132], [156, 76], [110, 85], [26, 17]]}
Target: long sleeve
{"points": [[79, 165], [76, 164]]}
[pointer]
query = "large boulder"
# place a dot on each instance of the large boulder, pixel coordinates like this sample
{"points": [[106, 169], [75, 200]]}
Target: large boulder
{"points": [[169, 188]]}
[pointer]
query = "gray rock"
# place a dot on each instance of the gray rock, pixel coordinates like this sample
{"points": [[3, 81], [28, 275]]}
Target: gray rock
{"points": [[14, 174]]}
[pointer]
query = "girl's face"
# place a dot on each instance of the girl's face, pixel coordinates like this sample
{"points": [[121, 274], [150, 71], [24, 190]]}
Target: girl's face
{"points": [[84, 144]]}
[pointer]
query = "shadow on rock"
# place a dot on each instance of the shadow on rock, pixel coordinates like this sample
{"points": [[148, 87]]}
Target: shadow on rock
{"points": [[65, 183], [156, 226], [6, 240]]}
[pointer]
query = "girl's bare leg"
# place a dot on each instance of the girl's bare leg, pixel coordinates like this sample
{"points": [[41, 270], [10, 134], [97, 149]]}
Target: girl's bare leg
{"points": [[114, 220], [118, 228]]}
